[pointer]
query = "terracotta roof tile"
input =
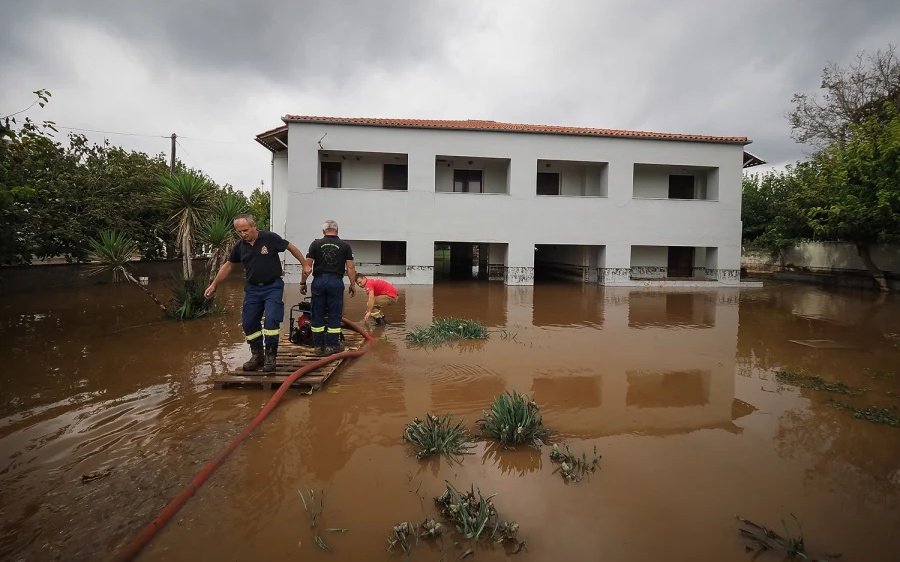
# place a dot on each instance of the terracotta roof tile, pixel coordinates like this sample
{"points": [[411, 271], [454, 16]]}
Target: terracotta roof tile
{"points": [[481, 125]]}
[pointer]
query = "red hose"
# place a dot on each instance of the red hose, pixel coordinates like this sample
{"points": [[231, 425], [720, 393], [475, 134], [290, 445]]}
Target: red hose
{"points": [[140, 540]]}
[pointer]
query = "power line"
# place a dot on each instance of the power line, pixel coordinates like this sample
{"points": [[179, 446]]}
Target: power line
{"points": [[211, 140], [193, 160], [111, 132]]}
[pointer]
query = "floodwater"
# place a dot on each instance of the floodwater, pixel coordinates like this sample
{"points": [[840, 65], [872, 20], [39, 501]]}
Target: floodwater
{"points": [[675, 389]]}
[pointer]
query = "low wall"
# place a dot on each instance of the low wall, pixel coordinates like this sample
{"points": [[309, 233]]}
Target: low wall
{"points": [[20, 278], [823, 257], [830, 264]]}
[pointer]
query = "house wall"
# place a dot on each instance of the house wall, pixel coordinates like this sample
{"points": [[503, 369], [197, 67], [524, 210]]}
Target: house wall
{"points": [[517, 218]]}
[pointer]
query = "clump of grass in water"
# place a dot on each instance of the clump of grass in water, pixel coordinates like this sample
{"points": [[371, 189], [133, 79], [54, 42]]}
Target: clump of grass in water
{"points": [[514, 419], [888, 416], [448, 329], [473, 514], [766, 539], [571, 467], [437, 436], [814, 382]]}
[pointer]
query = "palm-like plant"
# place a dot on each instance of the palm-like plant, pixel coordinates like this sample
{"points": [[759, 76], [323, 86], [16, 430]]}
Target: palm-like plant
{"points": [[190, 198], [111, 252], [219, 236], [218, 233]]}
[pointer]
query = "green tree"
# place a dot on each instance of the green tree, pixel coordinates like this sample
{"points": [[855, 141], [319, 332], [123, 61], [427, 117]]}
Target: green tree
{"points": [[773, 208], [260, 203], [858, 183]]}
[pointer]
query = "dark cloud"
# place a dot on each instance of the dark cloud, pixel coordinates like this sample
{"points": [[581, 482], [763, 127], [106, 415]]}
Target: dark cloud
{"points": [[228, 69]]}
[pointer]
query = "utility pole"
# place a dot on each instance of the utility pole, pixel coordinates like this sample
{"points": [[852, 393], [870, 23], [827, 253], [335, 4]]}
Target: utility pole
{"points": [[172, 163]]}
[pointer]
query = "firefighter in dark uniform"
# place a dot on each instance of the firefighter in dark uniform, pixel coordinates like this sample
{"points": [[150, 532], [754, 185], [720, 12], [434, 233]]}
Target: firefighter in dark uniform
{"points": [[330, 257], [264, 289]]}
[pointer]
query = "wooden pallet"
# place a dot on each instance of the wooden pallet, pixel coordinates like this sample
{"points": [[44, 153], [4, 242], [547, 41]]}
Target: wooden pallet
{"points": [[290, 358]]}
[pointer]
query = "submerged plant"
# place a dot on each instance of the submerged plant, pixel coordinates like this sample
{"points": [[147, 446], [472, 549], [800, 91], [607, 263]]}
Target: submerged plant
{"points": [[514, 419], [571, 467], [448, 329], [400, 535], [188, 300], [315, 511], [437, 436], [763, 538], [472, 513], [888, 416], [814, 382]]}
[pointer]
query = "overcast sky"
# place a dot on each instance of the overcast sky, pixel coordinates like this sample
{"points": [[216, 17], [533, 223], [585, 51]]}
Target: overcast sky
{"points": [[219, 72]]}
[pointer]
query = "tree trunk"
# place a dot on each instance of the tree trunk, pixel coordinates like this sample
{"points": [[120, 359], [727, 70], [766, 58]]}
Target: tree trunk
{"points": [[131, 278], [877, 274]]}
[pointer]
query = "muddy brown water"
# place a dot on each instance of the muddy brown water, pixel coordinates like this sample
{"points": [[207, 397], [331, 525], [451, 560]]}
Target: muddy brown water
{"points": [[676, 389]]}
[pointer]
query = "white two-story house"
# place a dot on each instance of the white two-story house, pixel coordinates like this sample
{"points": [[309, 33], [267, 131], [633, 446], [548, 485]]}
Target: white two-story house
{"points": [[424, 200]]}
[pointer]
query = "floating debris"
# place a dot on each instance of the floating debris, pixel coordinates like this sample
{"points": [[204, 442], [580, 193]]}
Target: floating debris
{"points": [[430, 529], [763, 538], [514, 419], [438, 436], [571, 467], [443, 330], [95, 475]]}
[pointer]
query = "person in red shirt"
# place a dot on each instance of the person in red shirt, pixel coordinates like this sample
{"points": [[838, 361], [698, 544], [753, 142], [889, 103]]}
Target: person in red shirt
{"points": [[380, 293]]}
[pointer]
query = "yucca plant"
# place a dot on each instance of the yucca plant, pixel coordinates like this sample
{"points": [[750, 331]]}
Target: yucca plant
{"points": [[219, 235], [437, 436], [112, 251], [448, 329], [190, 199], [513, 419]]}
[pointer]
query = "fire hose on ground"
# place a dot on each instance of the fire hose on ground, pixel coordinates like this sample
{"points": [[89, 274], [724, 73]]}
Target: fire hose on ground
{"points": [[137, 544]]}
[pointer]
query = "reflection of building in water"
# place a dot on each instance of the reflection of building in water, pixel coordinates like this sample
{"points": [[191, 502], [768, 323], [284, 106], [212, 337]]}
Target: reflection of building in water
{"points": [[601, 367], [648, 370], [581, 305], [484, 302], [672, 308]]}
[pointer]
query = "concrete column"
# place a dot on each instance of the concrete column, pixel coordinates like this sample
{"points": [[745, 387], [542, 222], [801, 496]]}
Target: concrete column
{"points": [[520, 263], [615, 268], [420, 261], [420, 167]]}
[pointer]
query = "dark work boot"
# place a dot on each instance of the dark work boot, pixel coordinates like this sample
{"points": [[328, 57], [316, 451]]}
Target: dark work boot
{"points": [[332, 349], [271, 352], [256, 358]]}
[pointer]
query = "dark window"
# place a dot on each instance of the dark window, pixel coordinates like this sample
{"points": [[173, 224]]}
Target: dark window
{"points": [[467, 181], [681, 187], [547, 183], [331, 174], [393, 253], [395, 176]]}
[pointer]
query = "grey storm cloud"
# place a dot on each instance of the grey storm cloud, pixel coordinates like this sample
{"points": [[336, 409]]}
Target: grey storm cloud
{"points": [[231, 68]]}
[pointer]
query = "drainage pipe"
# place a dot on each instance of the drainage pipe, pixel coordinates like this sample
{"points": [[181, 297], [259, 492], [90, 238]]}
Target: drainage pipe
{"points": [[141, 540]]}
